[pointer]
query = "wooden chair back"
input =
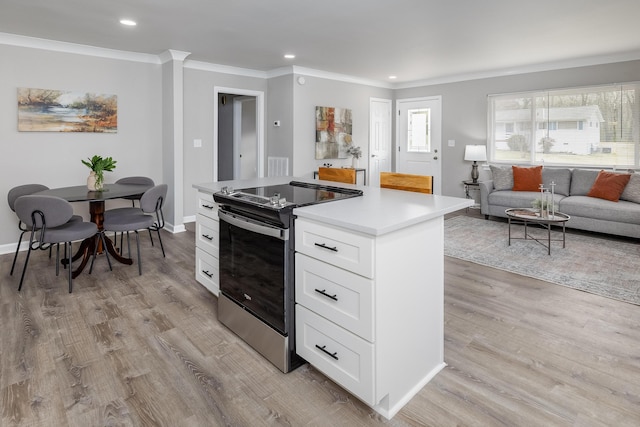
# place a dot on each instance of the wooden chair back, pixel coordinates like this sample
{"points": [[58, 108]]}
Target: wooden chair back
{"points": [[407, 182], [337, 175]]}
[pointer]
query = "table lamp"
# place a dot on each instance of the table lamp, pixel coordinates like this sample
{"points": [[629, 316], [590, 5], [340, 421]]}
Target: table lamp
{"points": [[475, 153]]}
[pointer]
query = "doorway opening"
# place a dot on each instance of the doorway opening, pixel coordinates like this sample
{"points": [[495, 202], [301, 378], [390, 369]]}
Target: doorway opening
{"points": [[238, 138]]}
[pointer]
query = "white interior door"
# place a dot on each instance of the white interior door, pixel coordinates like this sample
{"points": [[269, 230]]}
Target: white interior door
{"points": [[379, 139], [419, 138], [245, 143]]}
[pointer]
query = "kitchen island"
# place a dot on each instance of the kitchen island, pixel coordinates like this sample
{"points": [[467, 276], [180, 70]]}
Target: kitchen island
{"points": [[369, 289]]}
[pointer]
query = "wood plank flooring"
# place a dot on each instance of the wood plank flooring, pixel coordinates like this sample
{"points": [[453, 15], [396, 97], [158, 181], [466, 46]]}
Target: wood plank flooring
{"points": [[130, 350]]}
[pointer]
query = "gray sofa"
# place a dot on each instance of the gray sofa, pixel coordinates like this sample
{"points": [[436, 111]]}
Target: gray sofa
{"points": [[572, 185]]}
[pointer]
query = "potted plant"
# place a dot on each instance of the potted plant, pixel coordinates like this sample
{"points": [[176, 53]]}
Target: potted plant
{"points": [[355, 153], [98, 166]]}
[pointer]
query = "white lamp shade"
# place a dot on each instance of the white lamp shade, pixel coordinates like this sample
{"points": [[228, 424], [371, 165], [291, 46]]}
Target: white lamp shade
{"points": [[475, 153]]}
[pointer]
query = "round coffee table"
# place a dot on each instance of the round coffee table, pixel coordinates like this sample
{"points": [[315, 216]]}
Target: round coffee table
{"points": [[532, 216]]}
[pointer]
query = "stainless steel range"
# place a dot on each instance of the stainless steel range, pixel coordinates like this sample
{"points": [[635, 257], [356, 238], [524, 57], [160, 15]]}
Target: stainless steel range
{"points": [[257, 250]]}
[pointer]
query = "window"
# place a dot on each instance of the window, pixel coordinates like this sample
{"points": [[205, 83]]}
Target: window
{"points": [[589, 126]]}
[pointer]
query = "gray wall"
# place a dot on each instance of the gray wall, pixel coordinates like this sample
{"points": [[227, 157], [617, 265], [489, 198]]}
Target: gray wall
{"points": [[199, 102], [464, 108], [53, 158], [330, 93]]}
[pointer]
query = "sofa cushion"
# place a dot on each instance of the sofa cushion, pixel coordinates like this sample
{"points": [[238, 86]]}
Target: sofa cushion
{"points": [[609, 185], [592, 207], [581, 181], [631, 192], [527, 178], [516, 199], [502, 177], [561, 177]]}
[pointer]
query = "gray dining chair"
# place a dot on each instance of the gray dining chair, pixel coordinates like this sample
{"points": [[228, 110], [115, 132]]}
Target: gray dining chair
{"points": [[132, 180], [135, 180], [49, 219], [149, 217], [12, 196]]}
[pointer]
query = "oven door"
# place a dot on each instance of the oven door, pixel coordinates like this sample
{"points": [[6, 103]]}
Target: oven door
{"points": [[254, 266]]}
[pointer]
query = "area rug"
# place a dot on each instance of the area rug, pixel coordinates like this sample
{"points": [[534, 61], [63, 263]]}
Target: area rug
{"points": [[590, 263]]}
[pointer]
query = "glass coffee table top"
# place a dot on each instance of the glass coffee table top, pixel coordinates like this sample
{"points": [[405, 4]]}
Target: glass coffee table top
{"points": [[533, 215]]}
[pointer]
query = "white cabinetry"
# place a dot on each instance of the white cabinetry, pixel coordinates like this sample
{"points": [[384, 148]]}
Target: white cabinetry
{"points": [[207, 233], [369, 309]]}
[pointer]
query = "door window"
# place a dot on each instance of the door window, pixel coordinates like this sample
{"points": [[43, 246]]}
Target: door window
{"points": [[418, 127]]}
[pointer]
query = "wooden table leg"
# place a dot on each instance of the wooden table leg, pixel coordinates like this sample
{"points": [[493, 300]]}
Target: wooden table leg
{"points": [[86, 249]]}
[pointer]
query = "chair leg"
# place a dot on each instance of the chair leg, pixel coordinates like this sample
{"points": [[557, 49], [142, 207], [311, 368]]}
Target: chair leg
{"points": [[24, 269], [15, 257], [129, 245], [161, 245], [139, 259], [58, 257], [69, 268], [151, 237]]}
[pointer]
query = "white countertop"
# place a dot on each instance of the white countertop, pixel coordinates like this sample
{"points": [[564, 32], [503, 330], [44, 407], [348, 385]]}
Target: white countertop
{"points": [[377, 212]]}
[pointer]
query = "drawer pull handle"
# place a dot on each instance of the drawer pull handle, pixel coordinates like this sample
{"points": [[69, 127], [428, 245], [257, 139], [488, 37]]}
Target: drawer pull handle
{"points": [[206, 273], [207, 207], [324, 246], [324, 292], [325, 351], [206, 236]]}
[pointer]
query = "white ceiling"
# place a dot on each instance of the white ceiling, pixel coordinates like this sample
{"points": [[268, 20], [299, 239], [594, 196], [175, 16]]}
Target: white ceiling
{"points": [[417, 40]]}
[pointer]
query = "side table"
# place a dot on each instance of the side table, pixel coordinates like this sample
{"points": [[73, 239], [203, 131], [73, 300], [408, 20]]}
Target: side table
{"points": [[469, 186]]}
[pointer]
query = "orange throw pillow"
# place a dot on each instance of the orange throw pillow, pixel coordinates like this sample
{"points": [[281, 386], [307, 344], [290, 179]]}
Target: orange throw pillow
{"points": [[527, 179], [609, 185]]}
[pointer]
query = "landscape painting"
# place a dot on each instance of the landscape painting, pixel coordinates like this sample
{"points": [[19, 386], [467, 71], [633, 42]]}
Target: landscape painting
{"points": [[333, 132], [47, 110]]}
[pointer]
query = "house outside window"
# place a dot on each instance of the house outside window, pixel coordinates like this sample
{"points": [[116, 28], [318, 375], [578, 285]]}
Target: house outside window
{"points": [[590, 126]]}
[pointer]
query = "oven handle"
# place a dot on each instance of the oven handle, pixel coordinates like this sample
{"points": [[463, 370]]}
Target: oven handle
{"points": [[254, 226]]}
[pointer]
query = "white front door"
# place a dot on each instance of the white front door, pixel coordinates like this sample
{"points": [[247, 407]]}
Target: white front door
{"points": [[419, 138], [379, 139]]}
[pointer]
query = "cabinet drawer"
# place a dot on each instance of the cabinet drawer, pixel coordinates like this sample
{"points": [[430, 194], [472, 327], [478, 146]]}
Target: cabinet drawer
{"points": [[207, 234], [206, 205], [336, 246], [207, 272], [336, 294], [342, 356]]}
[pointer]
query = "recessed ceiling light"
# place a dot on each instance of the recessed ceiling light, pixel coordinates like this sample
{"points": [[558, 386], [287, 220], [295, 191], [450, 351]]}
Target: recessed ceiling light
{"points": [[129, 22], [289, 55], [393, 77]]}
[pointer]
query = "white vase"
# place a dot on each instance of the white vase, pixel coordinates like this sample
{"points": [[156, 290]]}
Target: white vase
{"points": [[354, 162], [94, 183], [91, 181]]}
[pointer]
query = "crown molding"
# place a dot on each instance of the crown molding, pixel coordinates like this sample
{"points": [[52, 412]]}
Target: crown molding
{"points": [[80, 49], [173, 55], [225, 69], [525, 69], [339, 77]]}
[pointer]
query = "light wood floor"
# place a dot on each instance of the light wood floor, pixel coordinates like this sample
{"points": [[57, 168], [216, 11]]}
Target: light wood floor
{"points": [[125, 350]]}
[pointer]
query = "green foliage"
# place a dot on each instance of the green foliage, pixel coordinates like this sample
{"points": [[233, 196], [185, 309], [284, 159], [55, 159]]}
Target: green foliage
{"points": [[99, 164]]}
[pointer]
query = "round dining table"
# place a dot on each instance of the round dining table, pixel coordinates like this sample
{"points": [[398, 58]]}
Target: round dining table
{"points": [[96, 199]]}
